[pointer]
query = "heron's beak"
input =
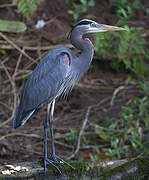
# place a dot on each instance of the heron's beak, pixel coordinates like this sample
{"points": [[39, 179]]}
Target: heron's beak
{"points": [[104, 28], [110, 28]]}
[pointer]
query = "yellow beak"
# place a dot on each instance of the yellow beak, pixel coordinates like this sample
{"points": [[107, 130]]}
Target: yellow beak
{"points": [[103, 28], [110, 28]]}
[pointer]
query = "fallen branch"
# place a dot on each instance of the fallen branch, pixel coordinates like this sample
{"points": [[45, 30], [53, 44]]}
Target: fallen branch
{"points": [[17, 47], [20, 134], [6, 5], [63, 144], [107, 129], [33, 48], [117, 90], [14, 92], [80, 134]]}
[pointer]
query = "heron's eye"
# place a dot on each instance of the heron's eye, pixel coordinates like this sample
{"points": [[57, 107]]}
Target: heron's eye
{"points": [[92, 25], [96, 25]]}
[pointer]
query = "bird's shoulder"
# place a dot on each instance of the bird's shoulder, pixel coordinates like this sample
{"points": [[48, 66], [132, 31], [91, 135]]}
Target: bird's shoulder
{"points": [[47, 77], [54, 65], [59, 51], [53, 57]]}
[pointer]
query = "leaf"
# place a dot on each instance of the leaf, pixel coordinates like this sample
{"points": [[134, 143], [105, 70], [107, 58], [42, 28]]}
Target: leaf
{"points": [[27, 7], [84, 2], [91, 3], [12, 26], [112, 126], [128, 80], [101, 134]]}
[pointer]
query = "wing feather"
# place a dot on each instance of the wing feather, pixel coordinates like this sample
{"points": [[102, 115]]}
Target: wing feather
{"points": [[44, 84]]}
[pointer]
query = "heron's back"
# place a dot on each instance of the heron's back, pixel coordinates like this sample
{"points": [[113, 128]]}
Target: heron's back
{"points": [[43, 85]]}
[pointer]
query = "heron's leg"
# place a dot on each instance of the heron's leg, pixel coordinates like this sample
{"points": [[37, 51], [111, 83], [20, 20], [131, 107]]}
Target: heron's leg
{"points": [[45, 137], [54, 156], [51, 129], [46, 160]]}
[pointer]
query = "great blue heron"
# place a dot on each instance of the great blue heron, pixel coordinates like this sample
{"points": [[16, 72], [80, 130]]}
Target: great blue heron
{"points": [[56, 74]]}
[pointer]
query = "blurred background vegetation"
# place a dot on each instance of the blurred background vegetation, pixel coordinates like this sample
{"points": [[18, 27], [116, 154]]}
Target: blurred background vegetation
{"points": [[127, 53]]}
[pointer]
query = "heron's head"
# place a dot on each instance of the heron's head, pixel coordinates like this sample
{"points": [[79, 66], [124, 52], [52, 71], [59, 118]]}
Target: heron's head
{"points": [[86, 26]]}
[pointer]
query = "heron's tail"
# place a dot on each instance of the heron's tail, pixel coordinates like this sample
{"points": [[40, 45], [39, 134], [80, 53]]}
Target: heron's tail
{"points": [[21, 117]]}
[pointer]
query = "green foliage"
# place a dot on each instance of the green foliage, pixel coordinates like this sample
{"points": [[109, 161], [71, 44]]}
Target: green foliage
{"points": [[130, 134], [73, 136], [94, 158], [79, 7], [27, 7], [12, 26], [125, 9], [139, 165], [127, 47]]}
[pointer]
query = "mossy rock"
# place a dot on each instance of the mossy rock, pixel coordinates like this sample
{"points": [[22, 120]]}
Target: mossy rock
{"points": [[132, 169]]}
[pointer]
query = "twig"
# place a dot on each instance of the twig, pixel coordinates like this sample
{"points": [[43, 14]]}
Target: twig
{"points": [[8, 120], [25, 150], [106, 129], [17, 47], [13, 87], [103, 101], [7, 73], [84, 124], [20, 134], [34, 48], [7, 5], [12, 82], [80, 134], [17, 65], [87, 87], [63, 144], [94, 146], [115, 93], [13, 78], [6, 105], [20, 77]]}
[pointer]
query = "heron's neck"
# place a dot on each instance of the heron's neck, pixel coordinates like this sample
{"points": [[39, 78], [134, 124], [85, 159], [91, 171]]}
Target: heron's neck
{"points": [[85, 46]]}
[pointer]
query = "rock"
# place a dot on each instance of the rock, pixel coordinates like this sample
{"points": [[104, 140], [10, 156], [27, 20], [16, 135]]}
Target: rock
{"points": [[137, 168]]}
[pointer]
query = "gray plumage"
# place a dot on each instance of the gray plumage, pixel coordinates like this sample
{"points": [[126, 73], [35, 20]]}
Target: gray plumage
{"points": [[57, 73], [52, 76]]}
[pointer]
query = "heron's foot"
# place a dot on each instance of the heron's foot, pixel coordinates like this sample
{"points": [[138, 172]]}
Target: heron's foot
{"points": [[56, 162], [53, 163], [61, 161]]}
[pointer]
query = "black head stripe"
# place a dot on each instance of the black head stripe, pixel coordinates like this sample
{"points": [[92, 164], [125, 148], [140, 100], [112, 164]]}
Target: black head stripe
{"points": [[82, 22]]}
